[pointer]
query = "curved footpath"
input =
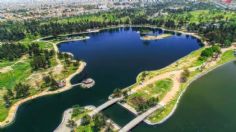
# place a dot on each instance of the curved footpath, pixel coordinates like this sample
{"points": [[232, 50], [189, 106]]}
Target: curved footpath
{"points": [[175, 76], [182, 93], [13, 110]]}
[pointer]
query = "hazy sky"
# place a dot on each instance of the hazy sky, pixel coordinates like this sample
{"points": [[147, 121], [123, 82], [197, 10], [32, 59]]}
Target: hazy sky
{"points": [[23, 1]]}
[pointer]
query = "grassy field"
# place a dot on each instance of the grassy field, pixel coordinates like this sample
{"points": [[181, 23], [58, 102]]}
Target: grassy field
{"points": [[227, 56], [160, 114], [5, 63], [45, 45], [11, 78], [158, 89], [3, 111]]}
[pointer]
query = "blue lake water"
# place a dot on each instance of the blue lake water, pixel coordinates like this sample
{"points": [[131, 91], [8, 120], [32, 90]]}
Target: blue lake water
{"points": [[114, 58]]}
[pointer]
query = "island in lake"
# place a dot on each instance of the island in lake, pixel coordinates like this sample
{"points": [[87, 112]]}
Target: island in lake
{"points": [[162, 36]]}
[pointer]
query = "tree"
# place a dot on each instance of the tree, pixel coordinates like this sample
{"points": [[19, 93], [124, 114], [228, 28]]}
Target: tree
{"points": [[85, 120], [184, 75], [71, 124], [117, 92], [99, 120], [12, 51], [50, 81], [21, 90], [10, 94], [6, 100], [77, 110]]}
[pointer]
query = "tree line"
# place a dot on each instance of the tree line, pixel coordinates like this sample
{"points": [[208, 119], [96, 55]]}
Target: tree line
{"points": [[19, 91], [40, 58], [12, 51], [216, 28]]}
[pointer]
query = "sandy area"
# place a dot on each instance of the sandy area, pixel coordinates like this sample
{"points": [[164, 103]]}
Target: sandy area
{"points": [[162, 36], [6, 69]]}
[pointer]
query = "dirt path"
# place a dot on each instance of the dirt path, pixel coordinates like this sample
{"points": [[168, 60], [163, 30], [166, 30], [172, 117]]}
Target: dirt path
{"points": [[174, 75]]}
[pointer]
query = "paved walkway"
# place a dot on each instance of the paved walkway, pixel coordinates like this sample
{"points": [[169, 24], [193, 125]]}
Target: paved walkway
{"points": [[62, 127], [105, 105], [139, 119]]}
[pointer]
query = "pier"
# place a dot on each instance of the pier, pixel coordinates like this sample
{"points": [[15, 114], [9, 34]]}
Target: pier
{"points": [[87, 83]]}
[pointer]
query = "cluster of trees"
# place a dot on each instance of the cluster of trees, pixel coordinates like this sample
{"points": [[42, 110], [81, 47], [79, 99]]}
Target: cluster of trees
{"points": [[99, 121], [209, 52], [77, 110], [184, 75], [20, 29], [144, 104], [68, 59], [119, 92], [213, 25], [50, 82], [148, 104], [40, 58], [12, 51], [19, 91]]}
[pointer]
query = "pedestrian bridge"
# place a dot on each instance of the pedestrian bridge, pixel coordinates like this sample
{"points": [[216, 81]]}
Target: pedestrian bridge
{"points": [[105, 105], [139, 118]]}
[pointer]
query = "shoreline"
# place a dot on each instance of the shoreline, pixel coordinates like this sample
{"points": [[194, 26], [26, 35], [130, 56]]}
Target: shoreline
{"points": [[96, 30], [67, 116], [195, 78], [13, 109], [182, 93]]}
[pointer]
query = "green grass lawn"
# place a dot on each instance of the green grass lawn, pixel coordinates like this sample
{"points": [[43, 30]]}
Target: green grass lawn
{"points": [[79, 112], [19, 73], [158, 89], [5, 63], [87, 128], [45, 45], [227, 56], [160, 114], [3, 111], [8, 80]]}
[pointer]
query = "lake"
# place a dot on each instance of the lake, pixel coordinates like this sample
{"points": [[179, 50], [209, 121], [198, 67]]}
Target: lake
{"points": [[114, 58]]}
